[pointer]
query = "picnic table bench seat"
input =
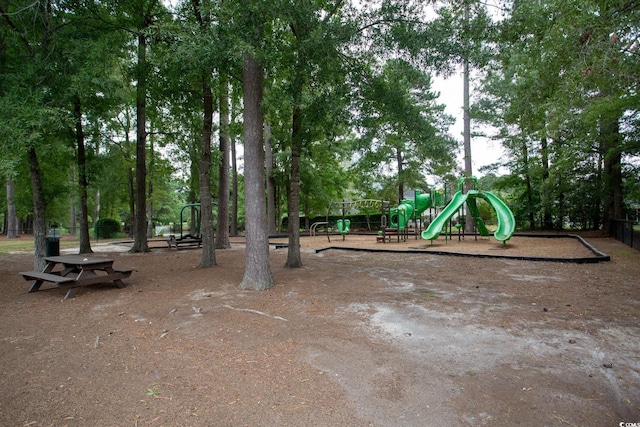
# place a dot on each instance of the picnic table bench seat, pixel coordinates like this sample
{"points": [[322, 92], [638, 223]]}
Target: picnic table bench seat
{"points": [[47, 277]]}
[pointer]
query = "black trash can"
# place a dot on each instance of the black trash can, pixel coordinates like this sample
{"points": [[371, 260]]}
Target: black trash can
{"points": [[53, 246]]}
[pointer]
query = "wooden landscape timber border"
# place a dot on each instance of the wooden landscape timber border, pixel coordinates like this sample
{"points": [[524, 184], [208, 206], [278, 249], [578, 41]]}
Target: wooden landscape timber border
{"points": [[598, 256]]}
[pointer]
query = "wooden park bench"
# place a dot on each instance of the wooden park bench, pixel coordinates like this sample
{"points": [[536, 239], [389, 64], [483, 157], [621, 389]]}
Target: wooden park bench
{"points": [[188, 240]]}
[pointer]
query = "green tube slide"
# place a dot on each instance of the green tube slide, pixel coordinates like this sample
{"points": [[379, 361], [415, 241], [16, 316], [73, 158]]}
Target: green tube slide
{"points": [[435, 228], [506, 220]]}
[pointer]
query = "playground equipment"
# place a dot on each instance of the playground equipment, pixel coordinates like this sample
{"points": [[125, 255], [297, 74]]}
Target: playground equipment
{"points": [[411, 210], [343, 226], [343, 208], [194, 239], [506, 220], [398, 219], [408, 210]]}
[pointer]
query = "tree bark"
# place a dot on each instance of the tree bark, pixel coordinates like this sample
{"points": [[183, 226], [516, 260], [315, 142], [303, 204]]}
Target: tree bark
{"points": [[208, 258], [612, 171], [271, 182], [207, 231], [85, 241], [149, 207], [529, 188], [140, 233], [132, 202], [257, 274], [39, 210], [234, 189], [596, 216], [149, 227], [400, 174], [73, 202], [547, 218], [468, 166], [293, 224], [12, 219], [96, 208], [222, 234]]}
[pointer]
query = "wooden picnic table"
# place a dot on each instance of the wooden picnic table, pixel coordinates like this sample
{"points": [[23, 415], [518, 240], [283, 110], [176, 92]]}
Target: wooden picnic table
{"points": [[74, 271]]}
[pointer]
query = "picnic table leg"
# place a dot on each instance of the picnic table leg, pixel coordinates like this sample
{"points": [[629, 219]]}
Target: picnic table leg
{"points": [[38, 282], [71, 293], [119, 283], [36, 285]]}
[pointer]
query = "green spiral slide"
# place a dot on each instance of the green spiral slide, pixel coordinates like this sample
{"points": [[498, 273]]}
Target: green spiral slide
{"points": [[506, 221]]}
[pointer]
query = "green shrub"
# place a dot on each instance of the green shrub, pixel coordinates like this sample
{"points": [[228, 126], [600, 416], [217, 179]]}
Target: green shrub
{"points": [[107, 228]]}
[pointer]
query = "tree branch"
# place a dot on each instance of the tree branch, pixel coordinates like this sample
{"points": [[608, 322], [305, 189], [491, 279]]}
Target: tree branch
{"points": [[15, 29]]}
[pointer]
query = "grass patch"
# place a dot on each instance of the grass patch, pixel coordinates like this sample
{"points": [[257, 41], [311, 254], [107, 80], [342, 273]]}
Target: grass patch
{"points": [[624, 252], [24, 244]]}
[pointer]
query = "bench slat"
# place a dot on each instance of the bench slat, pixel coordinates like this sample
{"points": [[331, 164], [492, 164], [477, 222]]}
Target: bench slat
{"points": [[124, 272], [184, 242], [37, 275]]}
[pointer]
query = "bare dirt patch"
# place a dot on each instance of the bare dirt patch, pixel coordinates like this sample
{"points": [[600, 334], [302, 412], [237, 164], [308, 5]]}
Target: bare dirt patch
{"points": [[351, 339]]}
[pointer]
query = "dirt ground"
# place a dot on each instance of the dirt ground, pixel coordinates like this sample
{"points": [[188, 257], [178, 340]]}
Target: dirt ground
{"points": [[351, 339]]}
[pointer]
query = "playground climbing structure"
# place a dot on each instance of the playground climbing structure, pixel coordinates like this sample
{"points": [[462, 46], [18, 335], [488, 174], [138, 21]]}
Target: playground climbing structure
{"points": [[396, 221], [411, 210]]}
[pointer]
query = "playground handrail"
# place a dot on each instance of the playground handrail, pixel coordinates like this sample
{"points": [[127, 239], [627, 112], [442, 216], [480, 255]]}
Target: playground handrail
{"points": [[312, 230]]}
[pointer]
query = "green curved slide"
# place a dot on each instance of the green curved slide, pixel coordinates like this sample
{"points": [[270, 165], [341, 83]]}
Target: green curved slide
{"points": [[506, 220], [435, 228]]}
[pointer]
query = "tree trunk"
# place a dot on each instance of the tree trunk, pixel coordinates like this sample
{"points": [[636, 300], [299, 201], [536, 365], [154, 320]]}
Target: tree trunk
{"points": [[96, 208], [271, 182], [468, 166], [194, 189], [547, 219], [222, 234], [85, 241], [560, 212], [257, 274], [73, 202], [140, 234], [132, 203], [12, 219], [293, 224], [596, 216], [529, 195], [39, 210], [279, 209], [149, 207], [612, 171], [234, 189], [400, 174], [208, 258], [149, 228]]}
